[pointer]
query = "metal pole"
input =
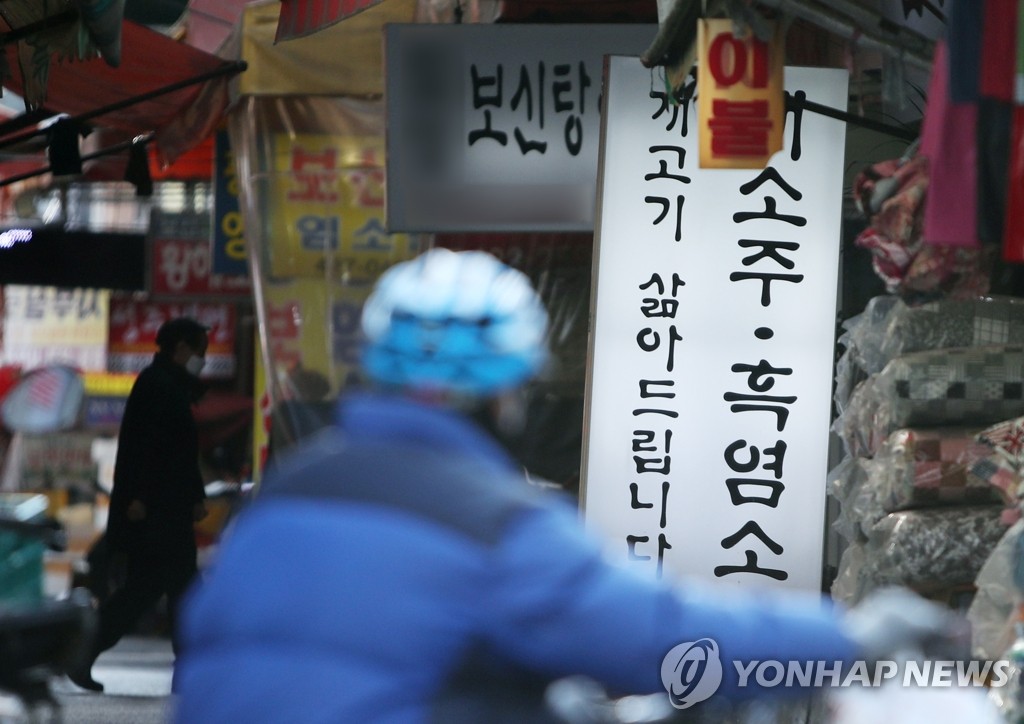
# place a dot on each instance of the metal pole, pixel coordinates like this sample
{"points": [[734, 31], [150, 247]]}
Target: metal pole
{"points": [[896, 131]]}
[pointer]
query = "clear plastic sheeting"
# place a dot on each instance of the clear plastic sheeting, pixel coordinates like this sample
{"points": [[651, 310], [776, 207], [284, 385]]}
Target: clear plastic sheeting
{"points": [[861, 338], [312, 195], [847, 482], [847, 587], [930, 550], [311, 172], [559, 266], [992, 612]]}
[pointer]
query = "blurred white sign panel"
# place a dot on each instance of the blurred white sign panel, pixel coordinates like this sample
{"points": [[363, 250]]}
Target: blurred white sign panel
{"points": [[709, 390], [47, 325], [495, 127]]}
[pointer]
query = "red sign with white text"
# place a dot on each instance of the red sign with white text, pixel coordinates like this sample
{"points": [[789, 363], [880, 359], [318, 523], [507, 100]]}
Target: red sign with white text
{"points": [[133, 328], [184, 268]]}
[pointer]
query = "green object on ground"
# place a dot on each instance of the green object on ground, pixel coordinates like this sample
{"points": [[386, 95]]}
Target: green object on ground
{"points": [[21, 554]]}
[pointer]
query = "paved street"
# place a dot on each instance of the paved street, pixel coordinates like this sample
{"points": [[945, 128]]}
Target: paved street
{"points": [[137, 677]]}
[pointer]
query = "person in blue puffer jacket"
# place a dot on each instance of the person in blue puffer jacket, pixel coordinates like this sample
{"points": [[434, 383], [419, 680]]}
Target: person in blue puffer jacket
{"points": [[399, 568]]}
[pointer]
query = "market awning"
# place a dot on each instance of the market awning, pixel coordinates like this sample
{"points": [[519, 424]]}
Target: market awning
{"points": [[208, 23], [125, 98]]}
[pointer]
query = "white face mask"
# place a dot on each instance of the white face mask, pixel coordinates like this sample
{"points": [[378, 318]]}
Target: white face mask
{"points": [[195, 365]]}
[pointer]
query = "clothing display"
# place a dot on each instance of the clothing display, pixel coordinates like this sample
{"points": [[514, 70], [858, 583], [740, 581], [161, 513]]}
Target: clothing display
{"points": [[972, 130], [956, 385], [1013, 244], [999, 51], [934, 439], [891, 194], [948, 142], [995, 124], [966, 21], [929, 389], [848, 483]]}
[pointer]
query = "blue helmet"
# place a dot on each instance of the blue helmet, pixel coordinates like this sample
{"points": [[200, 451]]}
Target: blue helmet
{"points": [[459, 322]]}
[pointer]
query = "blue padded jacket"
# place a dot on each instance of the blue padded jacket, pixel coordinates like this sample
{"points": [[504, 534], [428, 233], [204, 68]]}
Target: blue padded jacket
{"points": [[399, 560]]}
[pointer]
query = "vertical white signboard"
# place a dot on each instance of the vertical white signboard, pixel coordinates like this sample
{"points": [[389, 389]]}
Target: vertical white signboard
{"points": [[712, 341]]}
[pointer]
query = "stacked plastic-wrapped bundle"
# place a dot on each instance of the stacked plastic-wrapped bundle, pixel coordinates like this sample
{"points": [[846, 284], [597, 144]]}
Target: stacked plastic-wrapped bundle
{"points": [[918, 390], [889, 328]]}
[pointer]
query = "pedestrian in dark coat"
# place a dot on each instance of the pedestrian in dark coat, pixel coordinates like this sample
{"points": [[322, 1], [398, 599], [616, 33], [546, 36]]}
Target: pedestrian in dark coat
{"points": [[158, 488]]}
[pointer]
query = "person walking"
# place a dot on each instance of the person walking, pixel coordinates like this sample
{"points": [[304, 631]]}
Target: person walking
{"points": [[399, 568], [158, 491]]}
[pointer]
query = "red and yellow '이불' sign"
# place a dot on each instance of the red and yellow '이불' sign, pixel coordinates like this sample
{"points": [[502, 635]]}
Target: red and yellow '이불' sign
{"points": [[740, 102]]}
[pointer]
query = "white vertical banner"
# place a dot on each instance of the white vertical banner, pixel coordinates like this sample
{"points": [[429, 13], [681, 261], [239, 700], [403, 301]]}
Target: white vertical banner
{"points": [[712, 339]]}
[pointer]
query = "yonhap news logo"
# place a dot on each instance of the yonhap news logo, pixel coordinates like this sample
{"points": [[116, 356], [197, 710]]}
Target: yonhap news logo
{"points": [[693, 671]]}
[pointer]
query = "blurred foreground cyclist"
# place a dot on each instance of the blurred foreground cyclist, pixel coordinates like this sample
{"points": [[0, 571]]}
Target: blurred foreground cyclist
{"points": [[399, 568]]}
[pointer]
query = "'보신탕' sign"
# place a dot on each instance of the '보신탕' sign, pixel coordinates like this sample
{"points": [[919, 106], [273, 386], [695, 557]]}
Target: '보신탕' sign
{"points": [[708, 400], [495, 127]]}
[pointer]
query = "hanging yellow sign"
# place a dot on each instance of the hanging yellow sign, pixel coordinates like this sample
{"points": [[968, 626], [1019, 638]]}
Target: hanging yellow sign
{"points": [[328, 215], [740, 98]]}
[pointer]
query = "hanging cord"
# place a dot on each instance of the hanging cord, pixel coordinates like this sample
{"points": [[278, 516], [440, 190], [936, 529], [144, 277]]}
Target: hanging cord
{"points": [[851, 67]]}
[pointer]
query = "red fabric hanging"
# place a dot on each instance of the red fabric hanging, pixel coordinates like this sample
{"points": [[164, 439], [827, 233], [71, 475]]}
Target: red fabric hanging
{"points": [[1013, 237], [948, 142], [999, 50]]}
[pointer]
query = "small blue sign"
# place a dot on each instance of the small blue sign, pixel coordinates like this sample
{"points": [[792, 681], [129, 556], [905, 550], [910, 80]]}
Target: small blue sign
{"points": [[229, 247]]}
